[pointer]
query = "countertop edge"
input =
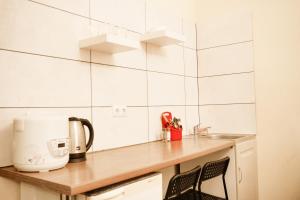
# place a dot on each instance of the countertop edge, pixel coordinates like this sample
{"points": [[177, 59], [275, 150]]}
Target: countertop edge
{"points": [[79, 189], [19, 177], [143, 171]]}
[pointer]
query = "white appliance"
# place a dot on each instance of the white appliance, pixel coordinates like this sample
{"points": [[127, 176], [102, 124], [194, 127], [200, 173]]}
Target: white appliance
{"points": [[40, 144], [148, 187]]}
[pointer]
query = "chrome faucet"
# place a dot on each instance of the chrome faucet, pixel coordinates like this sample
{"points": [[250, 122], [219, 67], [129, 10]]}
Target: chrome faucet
{"points": [[200, 130]]}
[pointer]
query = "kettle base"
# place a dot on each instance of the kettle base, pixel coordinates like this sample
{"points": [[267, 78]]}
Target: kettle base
{"points": [[77, 157]]}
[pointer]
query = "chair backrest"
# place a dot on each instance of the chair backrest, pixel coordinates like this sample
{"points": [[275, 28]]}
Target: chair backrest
{"points": [[214, 169], [182, 182]]}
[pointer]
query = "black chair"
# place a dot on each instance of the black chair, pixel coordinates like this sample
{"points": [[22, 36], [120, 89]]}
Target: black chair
{"points": [[183, 186], [211, 170]]}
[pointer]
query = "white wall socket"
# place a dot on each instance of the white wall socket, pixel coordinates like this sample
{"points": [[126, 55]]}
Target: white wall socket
{"points": [[119, 111]]}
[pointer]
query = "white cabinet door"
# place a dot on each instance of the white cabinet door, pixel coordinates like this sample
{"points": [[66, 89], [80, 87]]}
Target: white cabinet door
{"points": [[246, 161], [32, 192], [146, 188]]}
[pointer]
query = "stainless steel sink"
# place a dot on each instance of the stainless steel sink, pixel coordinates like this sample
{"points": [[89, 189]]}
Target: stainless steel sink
{"points": [[221, 136]]}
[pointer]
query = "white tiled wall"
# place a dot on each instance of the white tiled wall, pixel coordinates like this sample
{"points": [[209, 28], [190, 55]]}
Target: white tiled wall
{"points": [[37, 81], [162, 16], [226, 76], [114, 132], [227, 89], [223, 30], [35, 28], [167, 59], [190, 58], [233, 59], [115, 86], [79, 7], [42, 70], [165, 89], [236, 118], [129, 14], [191, 91]]}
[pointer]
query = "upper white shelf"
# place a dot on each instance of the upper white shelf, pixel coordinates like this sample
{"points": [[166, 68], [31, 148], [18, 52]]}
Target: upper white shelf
{"points": [[109, 43], [163, 37]]}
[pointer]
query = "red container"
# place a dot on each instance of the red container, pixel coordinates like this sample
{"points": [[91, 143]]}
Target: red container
{"points": [[166, 119], [176, 133]]}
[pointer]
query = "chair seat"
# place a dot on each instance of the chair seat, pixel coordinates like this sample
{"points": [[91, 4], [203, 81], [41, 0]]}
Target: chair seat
{"points": [[188, 195], [205, 196]]}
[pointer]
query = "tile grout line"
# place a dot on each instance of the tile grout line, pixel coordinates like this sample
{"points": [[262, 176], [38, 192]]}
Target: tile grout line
{"points": [[142, 106], [97, 63], [91, 79], [197, 58], [92, 19], [184, 82], [254, 75], [230, 74], [55, 8], [147, 74], [108, 106], [225, 45], [90, 63], [91, 75], [227, 104], [43, 55], [41, 107], [89, 17]]}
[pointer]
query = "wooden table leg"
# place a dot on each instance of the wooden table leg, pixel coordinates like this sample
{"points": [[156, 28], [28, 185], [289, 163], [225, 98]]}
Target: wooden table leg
{"points": [[65, 197], [177, 169]]}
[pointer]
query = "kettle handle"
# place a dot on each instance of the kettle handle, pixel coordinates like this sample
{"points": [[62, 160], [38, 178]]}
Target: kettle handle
{"points": [[87, 123]]}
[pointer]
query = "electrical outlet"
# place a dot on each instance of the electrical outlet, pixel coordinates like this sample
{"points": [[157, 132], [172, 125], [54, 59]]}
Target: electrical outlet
{"points": [[119, 111]]}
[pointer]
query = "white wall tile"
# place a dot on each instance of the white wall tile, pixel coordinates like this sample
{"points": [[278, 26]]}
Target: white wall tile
{"points": [[225, 60], [30, 27], [6, 124], [112, 132], [130, 14], [165, 59], [132, 59], [155, 120], [103, 10], [192, 118], [191, 91], [124, 13], [237, 88], [37, 81], [190, 62], [118, 86], [80, 7], [165, 89], [158, 16], [189, 31], [232, 28], [229, 118]]}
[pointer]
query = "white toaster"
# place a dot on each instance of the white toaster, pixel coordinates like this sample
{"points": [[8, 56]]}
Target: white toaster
{"points": [[40, 144]]}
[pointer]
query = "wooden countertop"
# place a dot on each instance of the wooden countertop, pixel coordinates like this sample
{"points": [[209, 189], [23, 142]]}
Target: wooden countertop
{"points": [[112, 166]]}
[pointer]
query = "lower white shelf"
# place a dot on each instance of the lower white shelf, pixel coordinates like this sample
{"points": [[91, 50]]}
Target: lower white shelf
{"points": [[109, 43], [163, 38]]}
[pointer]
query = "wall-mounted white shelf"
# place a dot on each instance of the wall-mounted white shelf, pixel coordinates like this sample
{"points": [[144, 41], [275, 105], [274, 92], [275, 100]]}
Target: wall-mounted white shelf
{"points": [[109, 43], [163, 38]]}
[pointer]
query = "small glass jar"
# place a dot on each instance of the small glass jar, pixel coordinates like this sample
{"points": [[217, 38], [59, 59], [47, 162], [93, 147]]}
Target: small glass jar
{"points": [[166, 134]]}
